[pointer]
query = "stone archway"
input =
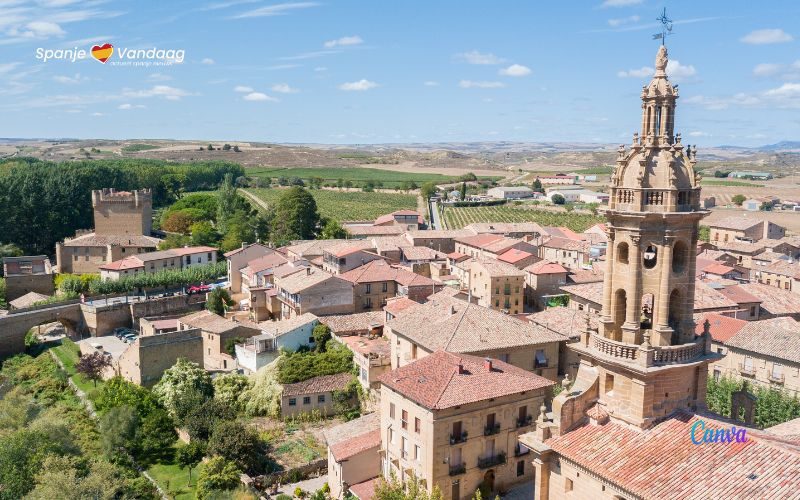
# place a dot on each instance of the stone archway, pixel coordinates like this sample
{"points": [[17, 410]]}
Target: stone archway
{"points": [[488, 480]]}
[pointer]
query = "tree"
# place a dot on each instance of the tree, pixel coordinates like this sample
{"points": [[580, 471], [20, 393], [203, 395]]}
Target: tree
{"points": [[66, 477], [92, 366], [704, 233], [537, 185], [558, 199], [210, 147], [410, 490], [119, 392], [179, 221], [198, 416], [228, 390], [463, 191], [766, 206], [203, 234], [226, 147], [295, 216], [738, 199], [322, 334], [332, 230], [217, 474], [235, 442], [236, 149], [118, 432], [427, 190], [190, 455], [156, 433], [218, 301], [182, 377]]}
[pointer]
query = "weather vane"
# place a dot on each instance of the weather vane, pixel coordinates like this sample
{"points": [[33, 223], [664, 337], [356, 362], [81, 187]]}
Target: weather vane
{"points": [[666, 27]]}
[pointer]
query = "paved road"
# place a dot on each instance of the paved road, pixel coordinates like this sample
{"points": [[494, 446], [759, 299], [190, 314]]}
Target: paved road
{"points": [[436, 219]]}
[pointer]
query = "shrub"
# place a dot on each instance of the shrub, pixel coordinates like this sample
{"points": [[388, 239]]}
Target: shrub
{"points": [[217, 474]]}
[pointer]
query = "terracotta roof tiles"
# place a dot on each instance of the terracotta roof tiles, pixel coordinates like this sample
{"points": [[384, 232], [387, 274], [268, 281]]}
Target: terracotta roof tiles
{"points": [[323, 383]]}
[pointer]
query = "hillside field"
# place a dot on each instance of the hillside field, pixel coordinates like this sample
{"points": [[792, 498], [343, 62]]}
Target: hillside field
{"points": [[357, 175], [348, 205], [458, 217]]}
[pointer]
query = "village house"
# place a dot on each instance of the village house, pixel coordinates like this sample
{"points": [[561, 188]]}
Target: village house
{"points": [[490, 246], [377, 281], [122, 227], [498, 285], [453, 421], [258, 351], [258, 273], [219, 336], [774, 302], [542, 280], [314, 291], [27, 274], [509, 192], [347, 256], [781, 274], [147, 358], [362, 333], [409, 220], [746, 229], [570, 253], [354, 455], [746, 254], [528, 231], [239, 258], [441, 240], [748, 306], [153, 262], [719, 270], [518, 258], [313, 395], [448, 323]]}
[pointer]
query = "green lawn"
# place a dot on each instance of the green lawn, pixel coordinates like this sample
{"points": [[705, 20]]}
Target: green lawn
{"points": [[174, 481], [349, 205], [357, 175], [67, 352]]}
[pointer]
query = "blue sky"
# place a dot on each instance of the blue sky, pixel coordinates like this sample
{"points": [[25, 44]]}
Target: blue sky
{"points": [[403, 71]]}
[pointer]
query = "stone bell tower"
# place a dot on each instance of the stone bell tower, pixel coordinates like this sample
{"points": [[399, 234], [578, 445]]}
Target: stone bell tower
{"points": [[644, 361]]}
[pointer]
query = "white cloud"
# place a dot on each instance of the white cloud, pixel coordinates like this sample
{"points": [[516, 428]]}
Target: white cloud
{"points": [[165, 91], [70, 80], [131, 106], [309, 55], [42, 29], [516, 70], [320, 69], [767, 36], [159, 77], [431, 83], [207, 60], [280, 9], [358, 86], [242, 88], [6, 67], [766, 69], [642, 72], [475, 57], [469, 84], [98, 114], [699, 133], [787, 90], [343, 41], [795, 65], [623, 20], [620, 3], [284, 88], [258, 96]]}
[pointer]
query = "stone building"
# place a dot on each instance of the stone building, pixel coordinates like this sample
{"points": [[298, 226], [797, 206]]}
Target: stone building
{"points": [[498, 285], [122, 226], [542, 280], [313, 395], [239, 259], [174, 259], [314, 291], [377, 281], [146, 359], [640, 387], [217, 332], [453, 421], [27, 274], [353, 453], [744, 229]]}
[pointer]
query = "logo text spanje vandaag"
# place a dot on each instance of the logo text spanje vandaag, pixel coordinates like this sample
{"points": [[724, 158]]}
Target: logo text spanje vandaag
{"points": [[700, 435]]}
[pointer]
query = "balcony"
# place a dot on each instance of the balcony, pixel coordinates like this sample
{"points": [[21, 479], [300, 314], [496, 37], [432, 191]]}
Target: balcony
{"points": [[748, 370], [525, 421], [777, 378], [491, 429], [614, 349], [455, 470], [486, 462], [520, 450], [461, 438]]}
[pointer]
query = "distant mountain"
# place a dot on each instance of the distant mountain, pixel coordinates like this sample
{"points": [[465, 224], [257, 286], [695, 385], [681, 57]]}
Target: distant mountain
{"points": [[781, 146]]}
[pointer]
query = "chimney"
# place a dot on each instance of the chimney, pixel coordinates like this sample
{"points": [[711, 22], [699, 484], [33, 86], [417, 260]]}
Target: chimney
{"points": [[308, 271], [460, 368], [487, 363], [452, 309]]}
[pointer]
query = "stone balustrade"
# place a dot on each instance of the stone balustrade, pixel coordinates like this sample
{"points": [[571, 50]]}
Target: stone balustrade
{"points": [[672, 354], [648, 356], [614, 349]]}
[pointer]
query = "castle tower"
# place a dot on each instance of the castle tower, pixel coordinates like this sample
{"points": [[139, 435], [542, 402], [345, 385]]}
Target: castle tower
{"points": [[122, 212], [645, 360]]}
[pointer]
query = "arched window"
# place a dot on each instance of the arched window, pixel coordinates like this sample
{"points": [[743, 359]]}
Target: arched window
{"points": [[680, 256], [622, 253], [650, 257]]}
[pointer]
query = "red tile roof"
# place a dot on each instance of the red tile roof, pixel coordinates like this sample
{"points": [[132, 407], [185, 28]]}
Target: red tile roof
{"points": [[359, 444], [513, 256], [722, 327], [398, 213], [480, 240], [123, 264], [234, 252], [662, 462], [545, 267], [268, 261], [718, 269], [739, 295], [364, 490], [323, 383], [380, 270], [396, 306], [443, 380]]}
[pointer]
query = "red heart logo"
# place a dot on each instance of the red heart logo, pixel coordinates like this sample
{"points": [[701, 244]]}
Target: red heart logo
{"points": [[102, 52]]}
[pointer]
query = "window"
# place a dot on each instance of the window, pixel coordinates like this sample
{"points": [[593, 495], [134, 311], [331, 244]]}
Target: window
{"points": [[404, 447], [391, 436], [391, 410], [716, 374], [417, 452], [777, 370], [609, 383], [369, 288], [567, 485], [364, 374], [540, 360], [497, 303], [786, 285], [306, 400], [417, 425], [521, 468], [292, 402], [752, 311], [504, 357], [413, 351], [404, 419], [748, 363], [367, 302], [321, 398], [385, 287]]}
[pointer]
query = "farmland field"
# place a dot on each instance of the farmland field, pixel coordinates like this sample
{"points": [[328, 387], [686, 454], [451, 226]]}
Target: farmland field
{"points": [[357, 175], [458, 217], [348, 205]]}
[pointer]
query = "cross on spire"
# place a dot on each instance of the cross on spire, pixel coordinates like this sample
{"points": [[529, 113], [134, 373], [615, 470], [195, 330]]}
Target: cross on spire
{"points": [[666, 27]]}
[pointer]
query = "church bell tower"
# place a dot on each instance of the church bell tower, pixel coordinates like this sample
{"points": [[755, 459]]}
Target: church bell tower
{"points": [[645, 361]]}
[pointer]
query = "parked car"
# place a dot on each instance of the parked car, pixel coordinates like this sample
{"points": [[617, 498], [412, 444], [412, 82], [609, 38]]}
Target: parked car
{"points": [[198, 289]]}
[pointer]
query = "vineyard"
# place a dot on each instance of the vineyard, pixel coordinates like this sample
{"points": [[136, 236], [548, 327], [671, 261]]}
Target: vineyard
{"points": [[349, 205], [458, 217], [357, 176]]}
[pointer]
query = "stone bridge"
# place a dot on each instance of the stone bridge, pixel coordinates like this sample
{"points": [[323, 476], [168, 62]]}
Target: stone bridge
{"points": [[15, 325]]}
